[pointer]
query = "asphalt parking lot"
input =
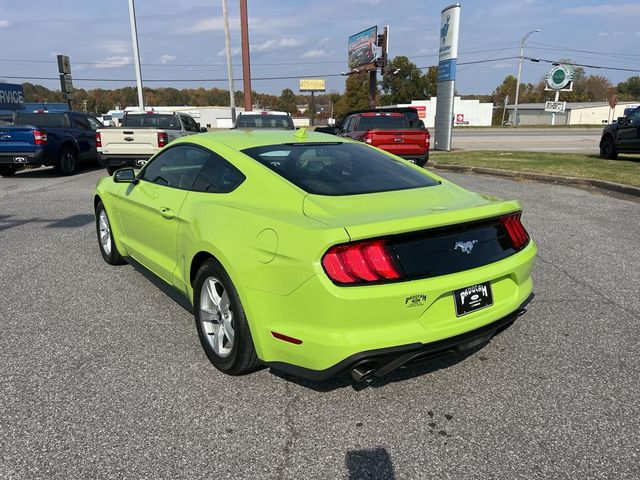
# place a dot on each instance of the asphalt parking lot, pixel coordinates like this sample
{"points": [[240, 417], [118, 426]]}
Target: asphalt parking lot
{"points": [[103, 376]]}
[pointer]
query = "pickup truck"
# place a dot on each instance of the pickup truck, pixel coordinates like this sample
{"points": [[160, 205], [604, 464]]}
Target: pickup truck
{"points": [[142, 135], [41, 138], [386, 129], [622, 136]]}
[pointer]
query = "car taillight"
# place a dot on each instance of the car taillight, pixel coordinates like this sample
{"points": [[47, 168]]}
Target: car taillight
{"points": [[163, 139], [368, 137], [98, 140], [361, 262], [518, 235], [427, 139], [39, 137]]}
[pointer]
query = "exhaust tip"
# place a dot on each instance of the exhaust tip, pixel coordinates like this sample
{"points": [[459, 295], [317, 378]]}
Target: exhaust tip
{"points": [[362, 372]]}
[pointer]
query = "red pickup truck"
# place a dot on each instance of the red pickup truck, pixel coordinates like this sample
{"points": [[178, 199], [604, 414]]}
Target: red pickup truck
{"points": [[390, 131]]}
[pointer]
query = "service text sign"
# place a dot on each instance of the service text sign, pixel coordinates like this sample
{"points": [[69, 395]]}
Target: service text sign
{"points": [[11, 96]]}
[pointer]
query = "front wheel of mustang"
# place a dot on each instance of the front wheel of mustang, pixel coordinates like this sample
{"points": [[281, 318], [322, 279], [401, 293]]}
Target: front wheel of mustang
{"points": [[108, 247], [221, 322]]}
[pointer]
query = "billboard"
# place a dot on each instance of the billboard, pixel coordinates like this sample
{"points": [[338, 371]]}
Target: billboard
{"points": [[11, 96], [362, 48], [312, 85]]}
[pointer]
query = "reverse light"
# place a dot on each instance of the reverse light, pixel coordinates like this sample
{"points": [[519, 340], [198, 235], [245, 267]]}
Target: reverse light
{"points": [[163, 139], [39, 137], [360, 262], [98, 140], [518, 235]]}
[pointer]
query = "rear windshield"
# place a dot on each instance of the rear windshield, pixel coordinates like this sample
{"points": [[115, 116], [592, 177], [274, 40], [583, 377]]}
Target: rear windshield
{"points": [[339, 168], [154, 120], [41, 119], [382, 121], [264, 121]]}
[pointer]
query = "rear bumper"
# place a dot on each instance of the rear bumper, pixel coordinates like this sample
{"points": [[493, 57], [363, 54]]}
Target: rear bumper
{"points": [[341, 326], [419, 160], [380, 362], [23, 158], [135, 161]]}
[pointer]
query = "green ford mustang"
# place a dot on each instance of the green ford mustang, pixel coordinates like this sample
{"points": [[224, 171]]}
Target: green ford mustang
{"points": [[315, 255]]}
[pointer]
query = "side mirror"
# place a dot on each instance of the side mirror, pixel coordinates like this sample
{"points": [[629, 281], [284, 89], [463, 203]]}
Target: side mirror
{"points": [[203, 129], [124, 175], [622, 120]]}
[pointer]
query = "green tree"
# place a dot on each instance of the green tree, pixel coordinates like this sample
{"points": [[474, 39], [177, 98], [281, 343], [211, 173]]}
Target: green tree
{"points": [[629, 89], [403, 82], [288, 101], [356, 95]]}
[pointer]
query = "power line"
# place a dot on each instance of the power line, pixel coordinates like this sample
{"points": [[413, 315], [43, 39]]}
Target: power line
{"points": [[585, 65], [593, 52]]}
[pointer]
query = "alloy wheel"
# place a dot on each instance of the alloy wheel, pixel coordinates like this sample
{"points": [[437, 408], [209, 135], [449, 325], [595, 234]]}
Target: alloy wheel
{"points": [[216, 317]]}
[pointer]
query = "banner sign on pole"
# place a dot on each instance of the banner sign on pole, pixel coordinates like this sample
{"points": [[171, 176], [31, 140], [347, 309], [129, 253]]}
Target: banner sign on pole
{"points": [[447, 63]]}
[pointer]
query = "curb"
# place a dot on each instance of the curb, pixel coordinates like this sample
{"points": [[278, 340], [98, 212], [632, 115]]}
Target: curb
{"points": [[541, 177]]}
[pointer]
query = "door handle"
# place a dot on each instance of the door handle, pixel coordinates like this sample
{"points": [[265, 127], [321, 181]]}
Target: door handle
{"points": [[167, 213]]}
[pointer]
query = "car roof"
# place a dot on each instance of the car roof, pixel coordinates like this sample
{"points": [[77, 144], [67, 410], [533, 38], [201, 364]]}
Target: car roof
{"points": [[242, 139], [260, 113]]}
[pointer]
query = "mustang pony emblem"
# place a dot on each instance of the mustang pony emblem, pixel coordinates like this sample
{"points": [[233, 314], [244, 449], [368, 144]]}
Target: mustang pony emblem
{"points": [[466, 247]]}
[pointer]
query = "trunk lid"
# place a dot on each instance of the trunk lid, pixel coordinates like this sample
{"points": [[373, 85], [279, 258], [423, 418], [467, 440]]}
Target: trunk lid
{"points": [[397, 212], [18, 139]]}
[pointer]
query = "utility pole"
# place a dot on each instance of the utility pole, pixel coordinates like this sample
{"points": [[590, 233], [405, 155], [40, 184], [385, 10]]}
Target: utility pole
{"points": [[227, 38], [136, 52], [246, 61], [504, 109], [383, 42], [522, 45]]}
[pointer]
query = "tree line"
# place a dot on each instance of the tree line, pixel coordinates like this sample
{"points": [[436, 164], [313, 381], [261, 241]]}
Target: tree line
{"points": [[403, 82]]}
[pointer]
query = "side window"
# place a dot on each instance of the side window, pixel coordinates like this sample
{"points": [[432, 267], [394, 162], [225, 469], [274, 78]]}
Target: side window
{"points": [[93, 123], [218, 176], [347, 124], [635, 116], [191, 123], [177, 167], [80, 122]]}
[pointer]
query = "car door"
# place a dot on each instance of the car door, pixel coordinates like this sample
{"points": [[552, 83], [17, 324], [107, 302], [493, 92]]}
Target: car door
{"points": [[85, 137], [150, 208], [629, 132]]}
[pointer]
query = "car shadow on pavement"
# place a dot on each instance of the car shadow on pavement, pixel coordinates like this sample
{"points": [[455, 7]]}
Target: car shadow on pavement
{"points": [[50, 172], [370, 464], [74, 221], [403, 373], [621, 156]]}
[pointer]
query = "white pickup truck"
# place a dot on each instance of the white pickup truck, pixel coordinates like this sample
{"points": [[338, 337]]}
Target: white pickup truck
{"points": [[142, 134]]}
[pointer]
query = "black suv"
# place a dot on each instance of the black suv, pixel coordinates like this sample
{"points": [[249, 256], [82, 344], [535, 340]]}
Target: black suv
{"points": [[622, 136]]}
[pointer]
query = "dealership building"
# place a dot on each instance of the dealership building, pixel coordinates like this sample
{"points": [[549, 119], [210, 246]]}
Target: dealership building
{"points": [[466, 113], [578, 113]]}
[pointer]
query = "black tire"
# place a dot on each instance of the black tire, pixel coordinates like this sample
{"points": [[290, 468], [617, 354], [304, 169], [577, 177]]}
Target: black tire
{"points": [[608, 148], [111, 255], [8, 170], [67, 162], [242, 357], [423, 161], [111, 170]]}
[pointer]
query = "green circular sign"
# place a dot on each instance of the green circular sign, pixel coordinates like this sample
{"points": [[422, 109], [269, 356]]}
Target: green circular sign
{"points": [[559, 77]]}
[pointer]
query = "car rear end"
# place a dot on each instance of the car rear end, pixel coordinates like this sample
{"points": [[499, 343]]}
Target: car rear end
{"points": [[391, 133], [428, 269], [22, 145], [141, 137]]}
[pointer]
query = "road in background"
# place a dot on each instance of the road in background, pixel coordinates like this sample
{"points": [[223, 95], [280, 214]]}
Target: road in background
{"points": [[103, 375], [582, 140]]}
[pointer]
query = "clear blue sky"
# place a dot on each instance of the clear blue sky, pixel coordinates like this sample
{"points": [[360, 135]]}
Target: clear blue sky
{"points": [[291, 38]]}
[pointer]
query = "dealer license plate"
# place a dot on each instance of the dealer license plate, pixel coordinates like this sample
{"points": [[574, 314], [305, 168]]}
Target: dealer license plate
{"points": [[472, 298], [20, 159]]}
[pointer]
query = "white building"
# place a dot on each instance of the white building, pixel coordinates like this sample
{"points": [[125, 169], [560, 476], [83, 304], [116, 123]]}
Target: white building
{"points": [[578, 113], [465, 112]]}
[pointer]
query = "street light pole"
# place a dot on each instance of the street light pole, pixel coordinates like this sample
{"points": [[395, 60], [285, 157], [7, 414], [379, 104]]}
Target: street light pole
{"points": [[246, 62], [136, 52], [522, 45], [227, 38]]}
